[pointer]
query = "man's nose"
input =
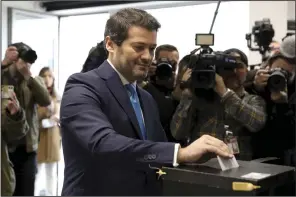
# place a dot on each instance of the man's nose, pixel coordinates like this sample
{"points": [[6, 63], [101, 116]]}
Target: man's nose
{"points": [[147, 56]]}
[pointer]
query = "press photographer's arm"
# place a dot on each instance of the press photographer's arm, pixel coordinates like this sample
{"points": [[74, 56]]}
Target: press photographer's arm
{"points": [[39, 91], [251, 114], [183, 118]]}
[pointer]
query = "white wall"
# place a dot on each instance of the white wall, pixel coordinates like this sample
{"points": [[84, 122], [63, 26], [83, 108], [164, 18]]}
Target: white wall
{"points": [[277, 12], [24, 5], [291, 10], [4, 31]]}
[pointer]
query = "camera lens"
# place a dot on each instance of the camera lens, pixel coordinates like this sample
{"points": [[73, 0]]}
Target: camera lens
{"points": [[164, 70], [277, 81]]}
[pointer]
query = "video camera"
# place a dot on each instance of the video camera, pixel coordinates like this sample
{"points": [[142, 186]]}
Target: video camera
{"points": [[263, 33], [164, 69], [207, 63]]}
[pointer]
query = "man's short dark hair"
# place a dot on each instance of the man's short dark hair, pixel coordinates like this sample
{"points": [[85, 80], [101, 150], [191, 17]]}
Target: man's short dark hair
{"points": [[164, 47], [97, 55], [119, 23]]}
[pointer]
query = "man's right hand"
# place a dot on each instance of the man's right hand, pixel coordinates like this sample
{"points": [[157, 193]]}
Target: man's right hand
{"points": [[11, 55], [261, 78], [205, 144], [187, 74]]}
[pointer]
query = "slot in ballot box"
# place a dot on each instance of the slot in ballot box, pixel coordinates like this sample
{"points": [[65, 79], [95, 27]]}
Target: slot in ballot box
{"points": [[208, 179]]}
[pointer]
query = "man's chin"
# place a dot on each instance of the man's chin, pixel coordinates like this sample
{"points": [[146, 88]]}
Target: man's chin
{"points": [[139, 77]]}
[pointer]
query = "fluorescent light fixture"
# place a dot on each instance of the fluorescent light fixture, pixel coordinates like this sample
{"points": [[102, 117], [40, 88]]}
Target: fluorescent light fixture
{"points": [[114, 8]]}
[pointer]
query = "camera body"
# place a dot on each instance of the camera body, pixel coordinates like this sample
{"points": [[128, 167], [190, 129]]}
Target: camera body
{"points": [[164, 69], [26, 53], [207, 63], [278, 80]]}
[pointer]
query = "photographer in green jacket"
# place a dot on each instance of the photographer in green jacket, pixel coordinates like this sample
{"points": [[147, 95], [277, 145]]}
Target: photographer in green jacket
{"points": [[29, 91]]}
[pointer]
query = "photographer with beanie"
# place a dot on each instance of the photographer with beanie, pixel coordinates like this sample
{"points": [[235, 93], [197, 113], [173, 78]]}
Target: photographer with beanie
{"points": [[276, 84]]}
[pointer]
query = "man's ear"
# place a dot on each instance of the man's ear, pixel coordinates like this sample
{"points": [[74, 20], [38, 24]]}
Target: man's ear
{"points": [[109, 44]]}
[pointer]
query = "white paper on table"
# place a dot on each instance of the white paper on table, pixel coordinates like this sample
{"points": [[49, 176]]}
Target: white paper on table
{"points": [[255, 175], [227, 163]]}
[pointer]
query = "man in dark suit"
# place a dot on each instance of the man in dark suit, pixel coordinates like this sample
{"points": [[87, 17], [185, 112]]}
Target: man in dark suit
{"points": [[111, 128]]}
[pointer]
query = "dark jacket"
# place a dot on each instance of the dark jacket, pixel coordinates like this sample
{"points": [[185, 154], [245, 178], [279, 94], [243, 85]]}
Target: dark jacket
{"points": [[278, 136], [104, 151], [166, 107]]}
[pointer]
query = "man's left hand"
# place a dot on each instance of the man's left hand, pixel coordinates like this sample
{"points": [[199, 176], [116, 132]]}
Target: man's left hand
{"points": [[23, 68], [220, 87]]}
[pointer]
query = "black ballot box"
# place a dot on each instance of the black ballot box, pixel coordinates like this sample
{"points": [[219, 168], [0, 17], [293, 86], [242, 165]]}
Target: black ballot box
{"points": [[208, 179]]}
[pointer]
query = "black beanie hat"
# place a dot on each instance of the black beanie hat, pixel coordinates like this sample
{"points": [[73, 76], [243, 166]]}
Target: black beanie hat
{"points": [[242, 55]]}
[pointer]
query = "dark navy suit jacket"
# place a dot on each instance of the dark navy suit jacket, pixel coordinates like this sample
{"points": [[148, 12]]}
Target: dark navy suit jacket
{"points": [[103, 149]]}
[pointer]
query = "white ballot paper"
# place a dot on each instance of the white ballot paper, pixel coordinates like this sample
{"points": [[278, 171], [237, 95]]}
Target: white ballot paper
{"points": [[227, 164]]}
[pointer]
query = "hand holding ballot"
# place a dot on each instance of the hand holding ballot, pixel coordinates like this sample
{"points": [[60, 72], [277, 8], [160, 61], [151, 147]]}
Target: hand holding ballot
{"points": [[204, 144]]}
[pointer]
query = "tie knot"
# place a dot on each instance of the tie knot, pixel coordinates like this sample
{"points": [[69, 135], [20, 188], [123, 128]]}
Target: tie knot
{"points": [[131, 89]]}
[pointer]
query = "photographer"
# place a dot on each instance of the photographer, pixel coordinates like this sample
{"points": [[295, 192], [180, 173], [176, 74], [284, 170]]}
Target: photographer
{"points": [[208, 111], [182, 75], [29, 91], [161, 84], [97, 55], [275, 82]]}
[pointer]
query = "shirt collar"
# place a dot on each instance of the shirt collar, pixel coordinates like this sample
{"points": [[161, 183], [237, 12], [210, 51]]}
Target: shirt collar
{"points": [[122, 78]]}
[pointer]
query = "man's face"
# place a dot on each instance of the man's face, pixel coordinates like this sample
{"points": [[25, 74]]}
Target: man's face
{"points": [[282, 63], [234, 79], [274, 47], [135, 55], [171, 56], [21, 67]]}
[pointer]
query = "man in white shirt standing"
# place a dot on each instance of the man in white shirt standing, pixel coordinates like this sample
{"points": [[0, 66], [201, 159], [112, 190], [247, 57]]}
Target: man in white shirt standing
{"points": [[111, 128]]}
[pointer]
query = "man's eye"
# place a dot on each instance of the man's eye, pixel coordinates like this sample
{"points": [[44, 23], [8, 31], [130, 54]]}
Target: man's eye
{"points": [[139, 48]]}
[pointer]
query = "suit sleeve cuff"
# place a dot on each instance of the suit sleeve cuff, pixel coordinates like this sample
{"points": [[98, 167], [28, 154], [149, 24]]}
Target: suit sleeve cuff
{"points": [[177, 146]]}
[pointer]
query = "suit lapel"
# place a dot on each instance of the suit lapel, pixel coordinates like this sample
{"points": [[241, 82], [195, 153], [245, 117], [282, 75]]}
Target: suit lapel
{"points": [[119, 92]]}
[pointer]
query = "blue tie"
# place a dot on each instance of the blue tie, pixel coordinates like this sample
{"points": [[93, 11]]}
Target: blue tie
{"points": [[137, 107]]}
